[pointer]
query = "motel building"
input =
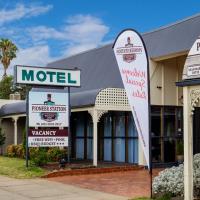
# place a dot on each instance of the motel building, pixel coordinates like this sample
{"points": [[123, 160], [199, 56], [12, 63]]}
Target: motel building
{"points": [[102, 126]]}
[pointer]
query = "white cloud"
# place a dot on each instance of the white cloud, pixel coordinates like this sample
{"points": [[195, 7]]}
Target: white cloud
{"points": [[35, 56], [21, 11], [43, 33], [81, 32], [85, 29]]}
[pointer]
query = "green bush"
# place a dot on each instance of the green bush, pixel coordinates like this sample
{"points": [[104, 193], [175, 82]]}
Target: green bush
{"points": [[55, 154], [167, 196], [38, 156]]}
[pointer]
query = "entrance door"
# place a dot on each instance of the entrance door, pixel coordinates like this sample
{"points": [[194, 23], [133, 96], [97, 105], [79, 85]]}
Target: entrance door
{"points": [[196, 131]]}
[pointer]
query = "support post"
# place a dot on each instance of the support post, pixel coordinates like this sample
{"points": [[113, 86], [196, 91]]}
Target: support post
{"points": [[15, 129], [95, 123], [188, 146]]}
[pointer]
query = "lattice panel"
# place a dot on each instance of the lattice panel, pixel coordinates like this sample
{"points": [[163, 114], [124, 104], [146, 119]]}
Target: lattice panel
{"points": [[114, 97]]}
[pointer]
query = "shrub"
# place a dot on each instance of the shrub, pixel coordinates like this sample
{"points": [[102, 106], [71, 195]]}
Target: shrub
{"points": [[55, 154], [19, 151], [165, 197], [38, 156], [10, 150], [171, 180], [15, 151]]}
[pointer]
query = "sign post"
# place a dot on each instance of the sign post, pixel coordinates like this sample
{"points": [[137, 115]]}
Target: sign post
{"points": [[132, 59], [47, 109], [27, 118], [69, 128]]}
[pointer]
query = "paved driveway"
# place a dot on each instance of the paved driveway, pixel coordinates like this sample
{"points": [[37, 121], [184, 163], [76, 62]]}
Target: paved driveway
{"points": [[130, 184], [40, 189]]}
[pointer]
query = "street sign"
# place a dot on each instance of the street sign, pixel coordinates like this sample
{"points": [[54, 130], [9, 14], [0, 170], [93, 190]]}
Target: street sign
{"points": [[46, 76]]}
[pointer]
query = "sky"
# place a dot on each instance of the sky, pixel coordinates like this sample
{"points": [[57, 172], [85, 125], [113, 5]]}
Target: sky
{"points": [[48, 30]]}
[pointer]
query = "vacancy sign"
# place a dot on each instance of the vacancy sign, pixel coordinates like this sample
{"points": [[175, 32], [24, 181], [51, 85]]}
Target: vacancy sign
{"points": [[48, 109], [43, 137], [132, 61], [46, 76]]}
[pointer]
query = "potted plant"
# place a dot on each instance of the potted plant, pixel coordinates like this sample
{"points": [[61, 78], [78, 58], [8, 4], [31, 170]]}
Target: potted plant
{"points": [[180, 151]]}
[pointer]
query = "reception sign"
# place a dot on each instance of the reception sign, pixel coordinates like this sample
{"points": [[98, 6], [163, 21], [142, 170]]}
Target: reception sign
{"points": [[48, 109], [131, 57], [46, 76], [192, 63], [47, 137]]}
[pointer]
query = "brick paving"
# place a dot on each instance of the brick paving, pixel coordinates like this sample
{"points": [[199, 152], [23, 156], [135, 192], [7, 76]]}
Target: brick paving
{"points": [[90, 170], [130, 184]]}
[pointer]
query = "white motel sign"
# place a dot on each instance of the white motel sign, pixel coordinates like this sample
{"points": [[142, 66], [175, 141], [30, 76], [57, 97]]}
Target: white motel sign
{"points": [[46, 76]]}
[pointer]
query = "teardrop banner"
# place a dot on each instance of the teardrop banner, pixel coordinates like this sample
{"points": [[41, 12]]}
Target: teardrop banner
{"points": [[132, 60]]}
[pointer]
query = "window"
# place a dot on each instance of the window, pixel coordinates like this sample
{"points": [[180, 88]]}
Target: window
{"points": [[79, 123], [82, 134], [107, 137], [132, 140], [119, 137], [89, 138], [166, 130]]}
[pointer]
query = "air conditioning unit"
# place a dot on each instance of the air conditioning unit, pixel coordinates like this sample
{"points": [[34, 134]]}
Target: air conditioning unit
{"points": [[15, 96]]}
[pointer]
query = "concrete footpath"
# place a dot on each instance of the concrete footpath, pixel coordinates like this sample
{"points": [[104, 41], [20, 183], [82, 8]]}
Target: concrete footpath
{"points": [[29, 189]]}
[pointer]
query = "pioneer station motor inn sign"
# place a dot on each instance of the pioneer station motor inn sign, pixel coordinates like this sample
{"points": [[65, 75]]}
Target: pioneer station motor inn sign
{"points": [[48, 119], [48, 109], [46, 76]]}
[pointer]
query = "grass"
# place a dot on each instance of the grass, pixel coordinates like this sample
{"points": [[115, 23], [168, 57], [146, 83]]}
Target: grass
{"points": [[15, 168], [164, 197]]}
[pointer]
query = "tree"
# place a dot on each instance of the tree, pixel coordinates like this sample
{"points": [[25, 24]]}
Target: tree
{"points": [[7, 88], [7, 52]]}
